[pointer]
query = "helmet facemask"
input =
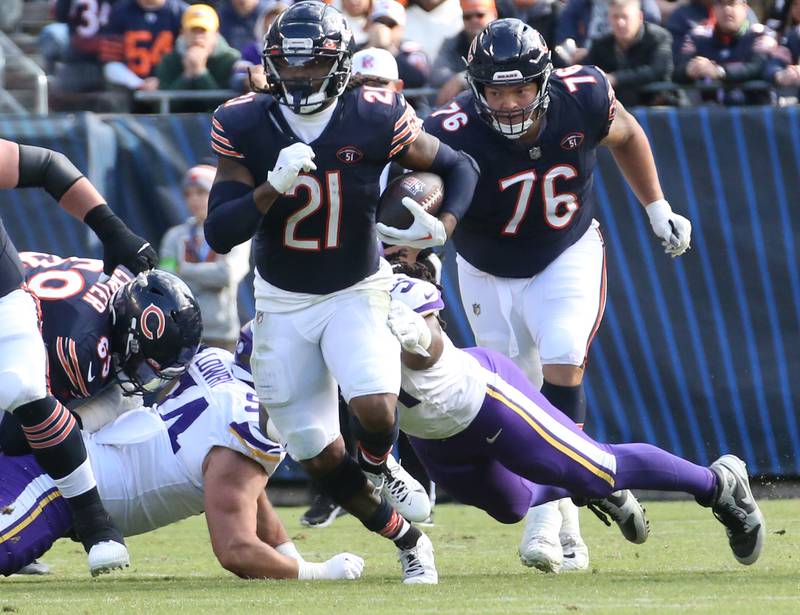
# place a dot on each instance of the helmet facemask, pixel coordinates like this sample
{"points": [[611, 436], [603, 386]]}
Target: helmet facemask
{"points": [[303, 78], [514, 123]]}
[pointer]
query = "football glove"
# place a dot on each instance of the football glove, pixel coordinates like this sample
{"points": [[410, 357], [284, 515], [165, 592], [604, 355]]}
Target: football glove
{"points": [[674, 230], [291, 160], [409, 328], [426, 231], [121, 246]]}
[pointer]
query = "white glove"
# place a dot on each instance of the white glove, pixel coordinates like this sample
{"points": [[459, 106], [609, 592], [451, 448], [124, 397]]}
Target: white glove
{"points": [[409, 328], [291, 160], [672, 228], [427, 231], [341, 566]]}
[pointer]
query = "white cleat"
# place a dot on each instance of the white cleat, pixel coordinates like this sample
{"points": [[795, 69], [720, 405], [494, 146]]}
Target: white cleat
{"points": [[34, 568], [576, 553], [540, 547], [404, 492], [419, 567], [735, 507], [107, 556]]}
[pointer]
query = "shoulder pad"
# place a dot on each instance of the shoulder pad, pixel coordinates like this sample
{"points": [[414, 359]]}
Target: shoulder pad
{"points": [[421, 296]]}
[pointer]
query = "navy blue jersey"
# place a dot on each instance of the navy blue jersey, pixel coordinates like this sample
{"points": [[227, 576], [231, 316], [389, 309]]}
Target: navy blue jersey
{"points": [[76, 320], [320, 236], [139, 38], [11, 276], [535, 200]]}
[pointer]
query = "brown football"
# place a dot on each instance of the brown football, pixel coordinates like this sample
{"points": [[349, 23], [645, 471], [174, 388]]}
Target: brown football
{"points": [[426, 189]]}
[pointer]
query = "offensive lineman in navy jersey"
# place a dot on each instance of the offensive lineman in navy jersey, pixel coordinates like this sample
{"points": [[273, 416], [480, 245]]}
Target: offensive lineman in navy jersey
{"points": [[322, 291], [531, 260], [49, 428]]}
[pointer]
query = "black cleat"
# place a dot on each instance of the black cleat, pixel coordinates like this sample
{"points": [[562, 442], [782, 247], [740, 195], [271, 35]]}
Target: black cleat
{"points": [[322, 512]]}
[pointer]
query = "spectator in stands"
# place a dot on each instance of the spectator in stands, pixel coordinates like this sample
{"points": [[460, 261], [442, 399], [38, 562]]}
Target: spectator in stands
{"points": [[690, 15], [430, 22], [214, 278], [634, 54], [584, 21], [139, 33], [542, 15], [356, 13], [449, 67], [784, 68], [202, 59], [251, 55], [238, 19], [385, 30], [732, 51]]}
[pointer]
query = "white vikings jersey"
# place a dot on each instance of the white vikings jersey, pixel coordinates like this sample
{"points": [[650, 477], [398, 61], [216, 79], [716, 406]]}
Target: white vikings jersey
{"points": [[444, 399], [149, 462]]}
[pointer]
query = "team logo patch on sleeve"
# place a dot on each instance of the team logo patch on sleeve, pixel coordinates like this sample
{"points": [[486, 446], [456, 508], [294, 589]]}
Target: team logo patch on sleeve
{"points": [[349, 154], [572, 141]]}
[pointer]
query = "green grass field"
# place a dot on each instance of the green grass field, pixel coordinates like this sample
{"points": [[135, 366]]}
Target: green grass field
{"points": [[685, 566]]}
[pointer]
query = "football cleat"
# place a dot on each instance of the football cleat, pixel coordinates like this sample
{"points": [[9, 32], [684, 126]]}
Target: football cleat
{"points": [[106, 556], [322, 512], [418, 565], [540, 547], [403, 492], [575, 552], [35, 567], [735, 507], [625, 510]]}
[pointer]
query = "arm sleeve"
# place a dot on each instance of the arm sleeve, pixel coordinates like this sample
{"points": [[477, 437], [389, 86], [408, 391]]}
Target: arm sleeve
{"points": [[406, 128], [232, 216]]}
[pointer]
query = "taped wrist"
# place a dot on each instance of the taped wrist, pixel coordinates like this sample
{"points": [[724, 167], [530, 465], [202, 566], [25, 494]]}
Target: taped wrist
{"points": [[460, 173], [40, 167], [309, 571]]}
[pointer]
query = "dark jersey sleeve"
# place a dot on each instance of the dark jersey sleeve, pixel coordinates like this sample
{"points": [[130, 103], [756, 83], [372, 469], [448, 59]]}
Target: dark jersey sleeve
{"points": [[80, 365], [227, 126], [389, 117], [595, 96]]}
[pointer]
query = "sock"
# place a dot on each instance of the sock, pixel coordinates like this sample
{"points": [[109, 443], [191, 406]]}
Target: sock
{"points": [[643, 466], [373, 448], [55, 439], [570, 400], [388, 523]]}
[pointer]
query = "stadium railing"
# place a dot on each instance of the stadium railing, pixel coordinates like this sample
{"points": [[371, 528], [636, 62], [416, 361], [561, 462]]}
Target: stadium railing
{"points": [[27, 67]]}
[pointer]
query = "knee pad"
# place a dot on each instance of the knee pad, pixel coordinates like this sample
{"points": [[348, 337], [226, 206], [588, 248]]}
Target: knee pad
{"points": [[17, 389], [307, 442], [344, 482], [562, 345]]}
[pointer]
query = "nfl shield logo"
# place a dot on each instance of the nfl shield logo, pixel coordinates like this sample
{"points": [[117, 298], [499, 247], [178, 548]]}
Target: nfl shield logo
{"points": [[476, 309]]}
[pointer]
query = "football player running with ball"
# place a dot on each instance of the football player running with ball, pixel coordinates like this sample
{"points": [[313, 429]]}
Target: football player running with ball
{"points": [[299, 166], [531, 263]]}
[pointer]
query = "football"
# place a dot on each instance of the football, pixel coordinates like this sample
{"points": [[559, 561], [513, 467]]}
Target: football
{"points": [[426, 189]]}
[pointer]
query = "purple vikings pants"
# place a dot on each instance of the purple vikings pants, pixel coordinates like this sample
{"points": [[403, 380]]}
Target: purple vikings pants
{"points": [[33, 515], [520, 451]]}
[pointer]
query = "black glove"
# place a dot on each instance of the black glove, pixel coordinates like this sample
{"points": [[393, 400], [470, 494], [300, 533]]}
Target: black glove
{"points": [[121, 246]]}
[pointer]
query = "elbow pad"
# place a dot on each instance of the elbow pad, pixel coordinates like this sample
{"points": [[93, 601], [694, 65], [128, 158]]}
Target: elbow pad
{"points": [[40, 167]]}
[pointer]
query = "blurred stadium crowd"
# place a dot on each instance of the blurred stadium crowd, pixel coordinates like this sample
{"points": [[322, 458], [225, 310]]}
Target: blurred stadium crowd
{"points": [[107, 55]]}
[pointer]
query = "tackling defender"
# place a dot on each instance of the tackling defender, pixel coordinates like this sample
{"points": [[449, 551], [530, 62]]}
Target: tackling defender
{"points": [[490, 439], [321, 288], [199, 450], [49, 428], [531, 259]]}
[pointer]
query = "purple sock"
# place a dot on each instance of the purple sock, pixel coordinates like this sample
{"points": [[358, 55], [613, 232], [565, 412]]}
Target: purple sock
{"points": [[643, 466]]}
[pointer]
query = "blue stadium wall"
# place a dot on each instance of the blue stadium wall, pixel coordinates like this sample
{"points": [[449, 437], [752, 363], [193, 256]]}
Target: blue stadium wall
{"points": [[700, 355]]}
